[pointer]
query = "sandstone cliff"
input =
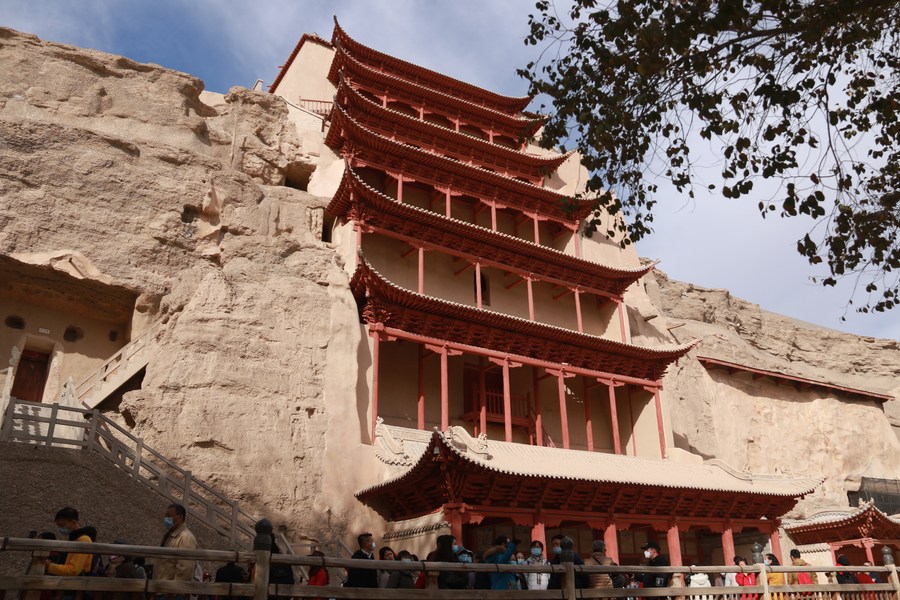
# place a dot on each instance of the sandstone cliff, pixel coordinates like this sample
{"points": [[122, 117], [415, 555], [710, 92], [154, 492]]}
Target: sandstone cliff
{"points": [[125, 167]]}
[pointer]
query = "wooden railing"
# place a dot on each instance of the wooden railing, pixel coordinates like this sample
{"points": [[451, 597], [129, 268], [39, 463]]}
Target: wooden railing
{"points": [[319, 107], [116, 370], [40, 423], [261, 560]]}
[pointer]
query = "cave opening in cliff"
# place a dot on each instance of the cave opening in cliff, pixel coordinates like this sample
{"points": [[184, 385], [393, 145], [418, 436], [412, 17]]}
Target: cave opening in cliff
{"points": [[297, 175]]}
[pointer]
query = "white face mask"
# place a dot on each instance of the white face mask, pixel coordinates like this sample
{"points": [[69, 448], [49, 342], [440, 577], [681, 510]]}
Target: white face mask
{"points": [[646, 554]]}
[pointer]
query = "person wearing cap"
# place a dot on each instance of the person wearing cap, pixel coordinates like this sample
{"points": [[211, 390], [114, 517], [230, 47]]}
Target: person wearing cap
{"points": [[655, 559]]}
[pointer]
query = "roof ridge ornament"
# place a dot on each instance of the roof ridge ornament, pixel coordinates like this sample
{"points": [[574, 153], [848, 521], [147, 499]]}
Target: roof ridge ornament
{"points": [[388, 448], [460, 440]]}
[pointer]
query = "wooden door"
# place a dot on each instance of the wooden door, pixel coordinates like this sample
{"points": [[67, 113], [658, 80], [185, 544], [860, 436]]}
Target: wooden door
{"points": [[31, 374]]}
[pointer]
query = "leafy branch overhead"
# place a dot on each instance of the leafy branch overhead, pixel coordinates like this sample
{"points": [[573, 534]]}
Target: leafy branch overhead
{"points": [[803, 93]]}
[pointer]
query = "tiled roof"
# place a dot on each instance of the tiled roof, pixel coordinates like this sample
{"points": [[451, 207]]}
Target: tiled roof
{"points": [[427, 77], [447, 141], [553, 463], [512, 125], [364, 145], [382, 301], [437, 230], [835, 518]]}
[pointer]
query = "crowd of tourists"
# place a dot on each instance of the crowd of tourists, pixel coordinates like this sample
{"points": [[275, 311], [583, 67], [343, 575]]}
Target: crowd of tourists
{"points": [[502, 551]]}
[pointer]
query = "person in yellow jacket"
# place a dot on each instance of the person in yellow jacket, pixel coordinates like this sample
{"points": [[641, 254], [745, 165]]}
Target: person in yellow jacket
{"points": [[72, 564], [177, 536], [774, 578]]}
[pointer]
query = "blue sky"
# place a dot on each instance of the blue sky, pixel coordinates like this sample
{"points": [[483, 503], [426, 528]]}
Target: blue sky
{"points": [[711, 241]]}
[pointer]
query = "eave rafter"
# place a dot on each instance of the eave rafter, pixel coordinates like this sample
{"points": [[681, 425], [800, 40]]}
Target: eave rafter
{"points": [[467, 242]]}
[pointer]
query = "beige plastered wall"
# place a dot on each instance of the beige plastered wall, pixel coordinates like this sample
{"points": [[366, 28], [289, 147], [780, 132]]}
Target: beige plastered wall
{"points": [[307, 77]]}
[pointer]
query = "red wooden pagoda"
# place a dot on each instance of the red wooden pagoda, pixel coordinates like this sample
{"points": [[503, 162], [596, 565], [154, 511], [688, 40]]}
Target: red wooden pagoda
{"points": [[503, 388]]}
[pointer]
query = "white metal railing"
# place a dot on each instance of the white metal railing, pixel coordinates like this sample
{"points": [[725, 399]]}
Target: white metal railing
{"points": [[36, 423]]}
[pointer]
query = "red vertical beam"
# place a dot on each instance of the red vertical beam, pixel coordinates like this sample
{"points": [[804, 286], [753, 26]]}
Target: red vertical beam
{"points": [[421, 269], [538, 534], [674, 545], [376, 358], [447, 204], [454, 519], [869, 543], [482, 398], [611, 537], [421, 403], [728, 546], [775, 540], [620, 308], [400, 188], [493, 216], [530, 298], [538, 422], [478, 285], [563, 413], [577, 242], [445, 391], [588, 422], [631, 418], [614, 417], [537, 231], [491, 135], [659, 423], [507, 403], [578, 310]]}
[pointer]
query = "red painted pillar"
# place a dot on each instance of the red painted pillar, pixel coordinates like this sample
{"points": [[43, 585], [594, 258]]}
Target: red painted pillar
{"points": [[620, 308], [577, 241], [530, 299], [611, 537], [400, 188], [578, 310], [447, 204], [868, 543], [563, 413], [421, 269], [537, 231], [674, 545], [493, 216], [376, 357], [728, 546], [631, 420], [538, 423], [614, 417], [507, 403], [538, 533], [588, 423], [478, 285], [659, 423], [482, 399], [445, 391], [775, 540], [454, 519], [421, 403]]}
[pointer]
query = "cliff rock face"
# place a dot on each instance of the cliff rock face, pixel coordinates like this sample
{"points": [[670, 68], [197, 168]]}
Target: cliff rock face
{"points": [[764, 426], [126, 167]]}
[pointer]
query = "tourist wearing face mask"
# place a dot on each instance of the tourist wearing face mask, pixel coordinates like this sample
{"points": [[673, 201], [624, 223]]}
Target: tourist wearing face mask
{"points": [[555, 582], [71, 564], [500, 554], [774, 578], [177, 536], [537, 581], [402, 579], [654, 559]]}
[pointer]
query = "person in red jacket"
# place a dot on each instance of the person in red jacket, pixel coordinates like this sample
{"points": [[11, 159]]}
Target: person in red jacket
{"points": [[744, 579]]}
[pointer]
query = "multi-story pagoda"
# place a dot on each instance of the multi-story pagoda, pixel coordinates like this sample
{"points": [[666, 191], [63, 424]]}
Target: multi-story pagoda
{"points": [[501, 389]]}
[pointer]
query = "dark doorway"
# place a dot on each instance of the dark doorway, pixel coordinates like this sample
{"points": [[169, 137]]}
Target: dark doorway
{"points": [[31, 374]]}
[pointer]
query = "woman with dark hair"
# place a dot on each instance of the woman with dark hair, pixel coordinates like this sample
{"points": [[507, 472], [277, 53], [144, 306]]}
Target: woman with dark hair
{"points": [[385, 553], [318, 575], [774, 578], [446, 551], [747, 579], [402, 579]]}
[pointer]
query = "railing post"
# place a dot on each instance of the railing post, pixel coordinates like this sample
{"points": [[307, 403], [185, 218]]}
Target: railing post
{"points": [[92, 431], [895, 581], [186, 494], [8, 418], [235, 511], [136, 466], [262, 547], [567, 559], [54, 414], [764, 581]]}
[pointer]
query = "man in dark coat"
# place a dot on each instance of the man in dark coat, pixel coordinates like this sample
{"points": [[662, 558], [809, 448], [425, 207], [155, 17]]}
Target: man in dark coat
{"points": [[654, 580], [364, 578]]}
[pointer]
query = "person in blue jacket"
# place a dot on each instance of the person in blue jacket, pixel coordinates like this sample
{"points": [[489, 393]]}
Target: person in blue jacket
{"points": [[499, 554]]}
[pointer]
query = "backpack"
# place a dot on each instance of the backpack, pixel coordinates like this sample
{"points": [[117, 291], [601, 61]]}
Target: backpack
{"points": [[96, 568]]}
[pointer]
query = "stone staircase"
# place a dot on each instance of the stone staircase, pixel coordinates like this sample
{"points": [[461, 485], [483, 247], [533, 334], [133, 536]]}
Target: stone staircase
{"points": [[119, 368]]}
